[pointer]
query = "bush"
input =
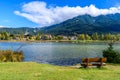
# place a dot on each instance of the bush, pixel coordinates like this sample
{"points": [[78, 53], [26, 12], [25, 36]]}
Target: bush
{"points": [[111, 55], [11, 56]]}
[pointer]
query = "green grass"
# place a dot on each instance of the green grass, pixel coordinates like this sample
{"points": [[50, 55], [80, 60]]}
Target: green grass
{"points": [[35, 71]]}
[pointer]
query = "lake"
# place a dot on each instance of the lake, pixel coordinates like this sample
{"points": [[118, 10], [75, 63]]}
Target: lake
{"points": [[57, 53]]}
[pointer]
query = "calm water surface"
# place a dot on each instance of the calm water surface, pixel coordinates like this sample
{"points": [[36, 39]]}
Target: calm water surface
{"points": [[57, 53]]}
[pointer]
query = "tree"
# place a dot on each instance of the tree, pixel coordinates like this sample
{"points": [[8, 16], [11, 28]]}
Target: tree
{"points": [[5, 36], [95, 36], [81, 37], [38, 37], [44, 37], [118, 37], [111, 55], [87, 37], [108, 37], [102, 37], [59, 37]]}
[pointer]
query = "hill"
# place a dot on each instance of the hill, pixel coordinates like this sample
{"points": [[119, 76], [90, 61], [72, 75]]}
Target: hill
{"points": [[22, 30], [86, 24]]}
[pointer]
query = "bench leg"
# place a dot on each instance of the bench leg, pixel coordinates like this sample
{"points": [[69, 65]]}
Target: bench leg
{"points": [[99, 66], [85, 66]]}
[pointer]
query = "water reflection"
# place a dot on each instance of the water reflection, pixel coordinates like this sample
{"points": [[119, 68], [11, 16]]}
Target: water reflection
{"points": [[57, 53]]}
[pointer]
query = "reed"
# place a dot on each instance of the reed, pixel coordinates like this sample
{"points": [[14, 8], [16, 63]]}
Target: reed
{"points": [[11, 56]]}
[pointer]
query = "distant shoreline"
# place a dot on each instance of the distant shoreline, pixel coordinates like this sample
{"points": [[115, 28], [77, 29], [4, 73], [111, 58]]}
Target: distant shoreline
{"points": [[72, 41]]}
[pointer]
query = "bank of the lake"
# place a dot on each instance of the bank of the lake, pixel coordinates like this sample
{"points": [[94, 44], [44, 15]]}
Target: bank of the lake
{"points": [[35, 71], [75, 41]]}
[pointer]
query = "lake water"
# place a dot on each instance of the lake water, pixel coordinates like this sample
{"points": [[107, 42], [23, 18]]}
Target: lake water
{"points": [[58, 53]]}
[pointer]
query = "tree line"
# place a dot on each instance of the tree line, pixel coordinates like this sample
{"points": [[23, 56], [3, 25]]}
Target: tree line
{"points": [[94, 36]]}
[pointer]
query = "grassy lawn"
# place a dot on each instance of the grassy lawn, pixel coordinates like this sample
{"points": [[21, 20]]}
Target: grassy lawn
{"points": [[35, 71]]}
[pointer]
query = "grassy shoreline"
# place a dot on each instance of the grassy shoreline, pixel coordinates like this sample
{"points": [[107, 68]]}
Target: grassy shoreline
{"points": [[35, 71]]}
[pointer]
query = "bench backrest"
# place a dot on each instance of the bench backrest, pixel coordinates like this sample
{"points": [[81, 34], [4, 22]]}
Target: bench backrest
{"points": [[94, 59]]}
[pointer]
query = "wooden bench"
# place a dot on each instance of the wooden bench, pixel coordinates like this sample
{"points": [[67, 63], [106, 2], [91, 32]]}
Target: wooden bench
{"points": [[86, 62]]}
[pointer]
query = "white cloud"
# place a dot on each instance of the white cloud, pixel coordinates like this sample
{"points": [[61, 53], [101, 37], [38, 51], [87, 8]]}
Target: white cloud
{"points": [[45, 15], [1, 26]]}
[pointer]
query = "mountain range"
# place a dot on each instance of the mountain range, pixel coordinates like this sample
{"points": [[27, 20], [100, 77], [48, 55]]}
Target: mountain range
{"points": [[22, 30], [86, 24], [81, 24]]}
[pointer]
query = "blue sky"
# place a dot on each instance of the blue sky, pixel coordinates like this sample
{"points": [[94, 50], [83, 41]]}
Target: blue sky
{"points": [[39, 13]]}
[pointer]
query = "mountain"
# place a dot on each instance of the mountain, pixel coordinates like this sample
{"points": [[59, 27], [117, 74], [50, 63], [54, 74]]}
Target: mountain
{"points": [[86, 24], [21, 30], [77, 25]]}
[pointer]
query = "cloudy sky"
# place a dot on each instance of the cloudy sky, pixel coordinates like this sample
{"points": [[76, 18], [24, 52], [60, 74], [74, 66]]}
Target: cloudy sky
{"points": [[40, 13]]}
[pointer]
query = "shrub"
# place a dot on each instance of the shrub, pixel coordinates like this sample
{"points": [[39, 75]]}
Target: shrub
{"points": [[11, 56], [111, 55]]}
